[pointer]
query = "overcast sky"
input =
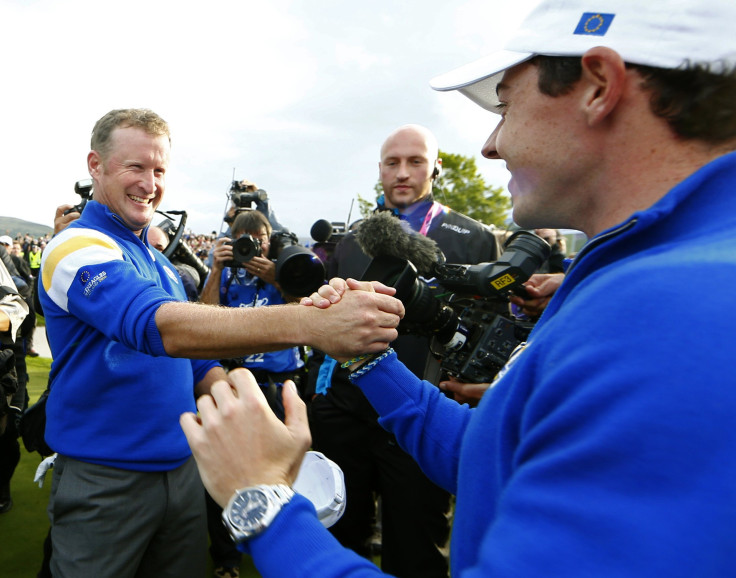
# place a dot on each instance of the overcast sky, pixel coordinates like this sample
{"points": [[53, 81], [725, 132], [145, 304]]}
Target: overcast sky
{"points": [[297, 96]]}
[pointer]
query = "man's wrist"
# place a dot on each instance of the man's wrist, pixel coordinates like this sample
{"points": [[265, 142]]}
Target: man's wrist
{"points": [[365, 365], [251, 510]]}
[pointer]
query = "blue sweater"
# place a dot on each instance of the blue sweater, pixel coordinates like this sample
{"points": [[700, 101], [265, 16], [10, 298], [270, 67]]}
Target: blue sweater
{"points": [[116, 397], [607, 447]]}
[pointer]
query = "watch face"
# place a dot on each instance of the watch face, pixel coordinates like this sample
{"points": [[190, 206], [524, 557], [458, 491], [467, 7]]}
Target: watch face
{"points": [[249, 509]]}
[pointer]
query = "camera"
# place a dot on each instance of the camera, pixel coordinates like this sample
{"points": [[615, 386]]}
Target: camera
{"points": [[84, 189], [241, 197], [464, 308], [326, 235], [245, 248], [299, 271], [178, 251]]}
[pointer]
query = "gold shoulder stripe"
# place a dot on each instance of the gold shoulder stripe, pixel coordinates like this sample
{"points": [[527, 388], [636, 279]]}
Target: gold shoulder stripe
{"points": [[66, 248]]}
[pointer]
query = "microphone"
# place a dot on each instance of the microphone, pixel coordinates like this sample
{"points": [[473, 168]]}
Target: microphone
{"points": [[321, 231], [383, 234]]}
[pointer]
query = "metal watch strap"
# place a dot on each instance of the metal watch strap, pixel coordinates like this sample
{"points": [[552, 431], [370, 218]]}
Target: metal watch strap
{"points": [[283, 492], [277, 494]]}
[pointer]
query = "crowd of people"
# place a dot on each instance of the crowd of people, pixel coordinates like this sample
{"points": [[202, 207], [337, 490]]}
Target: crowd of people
{"points": [[30, 248], [412, 506], [603, 441]]}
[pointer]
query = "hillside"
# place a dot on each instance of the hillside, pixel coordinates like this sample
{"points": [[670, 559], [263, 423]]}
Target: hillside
{"points": [[12, 226]]}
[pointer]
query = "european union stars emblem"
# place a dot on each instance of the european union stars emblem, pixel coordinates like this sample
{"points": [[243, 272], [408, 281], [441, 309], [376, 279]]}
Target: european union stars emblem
{"points": [[594, 24]]}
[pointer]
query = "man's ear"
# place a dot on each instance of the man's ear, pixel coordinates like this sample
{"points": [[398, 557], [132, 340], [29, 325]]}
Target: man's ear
{"points": [[94, 164], [604, 73]]}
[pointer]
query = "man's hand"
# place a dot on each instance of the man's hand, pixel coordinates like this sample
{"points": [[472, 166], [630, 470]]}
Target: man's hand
{"points": [[249, 186], [263, 268], [469, 393], [326, 295], [353, 317], [237, 440], [222, 253], [540, 288], [61, 221]]}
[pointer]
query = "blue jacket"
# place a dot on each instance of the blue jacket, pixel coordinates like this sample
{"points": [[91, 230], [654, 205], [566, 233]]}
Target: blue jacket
{"points": [[607, 447], [116, 397]]}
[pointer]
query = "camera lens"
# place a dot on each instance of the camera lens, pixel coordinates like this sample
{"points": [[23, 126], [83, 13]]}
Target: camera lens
{"points": [[245, 248], [299, 271]]}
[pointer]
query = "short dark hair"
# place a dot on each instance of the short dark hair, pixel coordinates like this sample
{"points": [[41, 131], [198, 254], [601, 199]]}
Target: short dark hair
{"points": [[248, 221], [696, 102]]}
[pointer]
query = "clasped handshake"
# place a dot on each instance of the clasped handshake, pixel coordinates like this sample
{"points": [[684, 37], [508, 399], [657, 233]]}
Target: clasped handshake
{"points": [[365, 322], [237, 440]]}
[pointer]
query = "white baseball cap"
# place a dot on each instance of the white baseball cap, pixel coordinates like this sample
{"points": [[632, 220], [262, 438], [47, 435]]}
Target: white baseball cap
{"points": [[658, 33], [6, 240], [322, 482]]}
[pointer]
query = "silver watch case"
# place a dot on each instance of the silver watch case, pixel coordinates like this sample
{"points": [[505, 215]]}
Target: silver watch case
{"points": [[251, 510]]}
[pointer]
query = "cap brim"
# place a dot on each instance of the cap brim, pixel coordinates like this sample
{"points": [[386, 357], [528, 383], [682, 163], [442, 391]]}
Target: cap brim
{"points": [[478, 80]]}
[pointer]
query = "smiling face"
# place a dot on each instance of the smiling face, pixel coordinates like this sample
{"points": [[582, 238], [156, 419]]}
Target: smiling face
{"points": [[543, 141], [407, 161], [130, 179]]}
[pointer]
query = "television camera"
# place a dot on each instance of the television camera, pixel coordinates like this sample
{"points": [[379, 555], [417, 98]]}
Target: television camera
{"points": [[242, 197], [178, 250], [326, 235], [462, 308]]}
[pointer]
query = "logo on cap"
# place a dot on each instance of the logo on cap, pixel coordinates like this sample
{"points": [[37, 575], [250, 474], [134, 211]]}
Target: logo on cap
{"points": [[594, 24]]}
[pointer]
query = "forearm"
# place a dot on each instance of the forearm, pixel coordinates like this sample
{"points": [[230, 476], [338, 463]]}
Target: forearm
{"points": [[4, 321], [205, 332], [213, 375], [211, 291], [362, 322]]}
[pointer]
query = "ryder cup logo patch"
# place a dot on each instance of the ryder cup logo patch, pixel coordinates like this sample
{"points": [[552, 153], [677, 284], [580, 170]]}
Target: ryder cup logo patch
{"points": [[94, 282], [594, 24]]}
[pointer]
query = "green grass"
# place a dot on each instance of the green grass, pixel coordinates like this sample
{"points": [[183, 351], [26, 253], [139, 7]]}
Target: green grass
{"points": [[23, 529]]}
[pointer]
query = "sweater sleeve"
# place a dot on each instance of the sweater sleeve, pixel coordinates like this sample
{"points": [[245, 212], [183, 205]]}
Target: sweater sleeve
{"points": [[427, 424], [85, 273], [298, 546]]}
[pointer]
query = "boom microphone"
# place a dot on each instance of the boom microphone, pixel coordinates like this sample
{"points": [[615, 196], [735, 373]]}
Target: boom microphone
{"points": [[383, 234]]}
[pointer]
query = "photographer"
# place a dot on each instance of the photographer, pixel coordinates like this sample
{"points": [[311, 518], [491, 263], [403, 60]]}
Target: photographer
{"points": [[250, 283], [246, 194], [13, 310]]}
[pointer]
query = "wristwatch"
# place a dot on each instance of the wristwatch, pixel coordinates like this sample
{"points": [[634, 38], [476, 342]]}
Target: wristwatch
{"points": [[251, 510]]}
